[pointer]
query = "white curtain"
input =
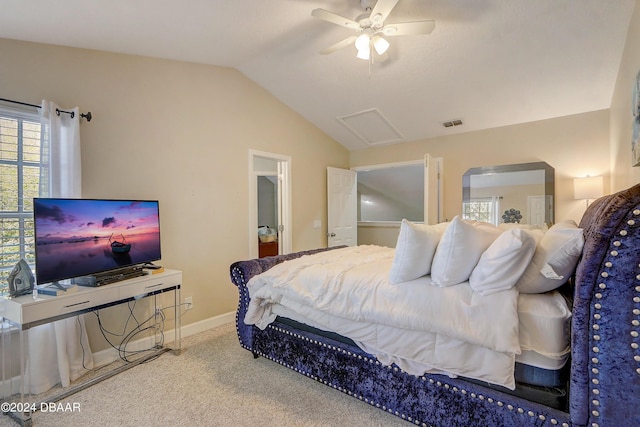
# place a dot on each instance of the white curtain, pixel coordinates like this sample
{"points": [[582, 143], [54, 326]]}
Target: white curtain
{"points": [[59, 352]]}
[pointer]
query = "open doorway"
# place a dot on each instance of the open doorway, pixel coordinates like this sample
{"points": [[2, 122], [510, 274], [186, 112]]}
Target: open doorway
{"points": [[384, 195], [269, 204], [268, 214]]}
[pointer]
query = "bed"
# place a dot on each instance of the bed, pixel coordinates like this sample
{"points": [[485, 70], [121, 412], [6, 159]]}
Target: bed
{"points": [[594, 381]]}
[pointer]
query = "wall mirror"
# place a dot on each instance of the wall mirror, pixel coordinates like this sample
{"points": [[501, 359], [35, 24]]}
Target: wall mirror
{"points": [[395, 191], [518, 193], [391, 193]]}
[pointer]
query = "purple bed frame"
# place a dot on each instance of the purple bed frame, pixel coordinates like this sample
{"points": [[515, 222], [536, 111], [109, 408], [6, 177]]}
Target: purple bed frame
{"points": [[605, 356]]}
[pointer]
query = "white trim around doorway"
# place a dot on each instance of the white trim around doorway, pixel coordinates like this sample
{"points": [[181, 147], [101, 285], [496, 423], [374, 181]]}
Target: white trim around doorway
{"points": [[284, 195]]}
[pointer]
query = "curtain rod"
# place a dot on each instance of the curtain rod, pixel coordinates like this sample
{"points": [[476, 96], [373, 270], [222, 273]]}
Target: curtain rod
{"points": [[58, 111]]}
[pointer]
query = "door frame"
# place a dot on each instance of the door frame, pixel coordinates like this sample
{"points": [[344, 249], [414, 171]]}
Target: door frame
{"points": [[284, 201]]}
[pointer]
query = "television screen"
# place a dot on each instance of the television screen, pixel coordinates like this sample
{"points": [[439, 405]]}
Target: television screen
{"points": [[83, 237]]}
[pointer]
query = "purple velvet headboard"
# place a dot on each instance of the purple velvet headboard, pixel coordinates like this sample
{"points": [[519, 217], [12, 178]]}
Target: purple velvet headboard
{"points": [[605, 372]]}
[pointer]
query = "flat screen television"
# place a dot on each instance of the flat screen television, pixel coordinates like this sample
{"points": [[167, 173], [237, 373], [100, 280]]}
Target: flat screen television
{"points": [[85, 237]]}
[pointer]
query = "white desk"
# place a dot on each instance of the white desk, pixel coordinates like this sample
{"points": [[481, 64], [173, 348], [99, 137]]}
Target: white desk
{"points": [[25, 312]]}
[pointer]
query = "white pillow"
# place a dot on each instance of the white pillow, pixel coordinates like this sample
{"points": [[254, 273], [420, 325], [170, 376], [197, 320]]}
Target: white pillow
{"points": [[502, 264], [414, 251], [510, 225], [556, 257], [459, 250]]}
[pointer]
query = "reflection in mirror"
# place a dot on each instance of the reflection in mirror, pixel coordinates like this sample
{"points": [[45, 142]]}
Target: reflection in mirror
{"points": [[391, 193], [519, 193]]}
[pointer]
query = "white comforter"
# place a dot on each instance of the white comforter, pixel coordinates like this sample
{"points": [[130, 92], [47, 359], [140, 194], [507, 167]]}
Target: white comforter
{"points": [[420, 327]]}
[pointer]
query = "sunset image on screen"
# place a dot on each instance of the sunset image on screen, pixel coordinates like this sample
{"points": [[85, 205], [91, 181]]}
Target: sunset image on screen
{"points": [[76, 237]]}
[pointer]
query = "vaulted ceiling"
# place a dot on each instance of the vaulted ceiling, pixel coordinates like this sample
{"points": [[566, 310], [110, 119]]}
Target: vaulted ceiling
{"points": [[488, 63]]}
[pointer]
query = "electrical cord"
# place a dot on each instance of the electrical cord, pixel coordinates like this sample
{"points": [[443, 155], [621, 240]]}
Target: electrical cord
{"points": [[131, 335], [81, 345], [140, 327], [123, 353], [84, 352]]}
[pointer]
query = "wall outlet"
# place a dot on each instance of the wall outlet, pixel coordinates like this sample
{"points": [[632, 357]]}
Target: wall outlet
{"points": [[188, 303]]}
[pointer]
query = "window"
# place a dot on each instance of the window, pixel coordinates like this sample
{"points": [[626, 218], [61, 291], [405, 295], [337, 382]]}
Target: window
{"points": [[21, 139], [482, 209]]}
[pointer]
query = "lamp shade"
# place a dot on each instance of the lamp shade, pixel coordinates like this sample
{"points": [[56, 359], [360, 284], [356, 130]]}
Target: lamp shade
{"points": [[590, 187]]}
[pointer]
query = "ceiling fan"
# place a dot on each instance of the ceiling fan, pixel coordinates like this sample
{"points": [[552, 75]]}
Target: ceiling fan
{"points": [[371, 28]]}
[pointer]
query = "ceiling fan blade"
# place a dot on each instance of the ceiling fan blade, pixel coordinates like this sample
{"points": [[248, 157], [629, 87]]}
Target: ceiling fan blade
{"points": [[335, 18], [409, 28], [344, 43], [381, 10]]}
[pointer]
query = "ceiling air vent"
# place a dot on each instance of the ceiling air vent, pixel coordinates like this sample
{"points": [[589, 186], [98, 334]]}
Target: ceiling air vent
{"points": [[452, 123]]}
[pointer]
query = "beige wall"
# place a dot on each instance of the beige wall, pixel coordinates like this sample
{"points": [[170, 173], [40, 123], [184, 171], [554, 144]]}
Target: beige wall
{"points": [[624, 175], [576, 145], [180, 133]]}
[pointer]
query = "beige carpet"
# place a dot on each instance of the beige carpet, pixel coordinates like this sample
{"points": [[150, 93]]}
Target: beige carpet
{"points": [[214, 382]]}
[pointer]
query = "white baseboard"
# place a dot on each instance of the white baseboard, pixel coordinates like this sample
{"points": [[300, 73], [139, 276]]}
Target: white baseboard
{"points": [[204, 325], [110, 355]]}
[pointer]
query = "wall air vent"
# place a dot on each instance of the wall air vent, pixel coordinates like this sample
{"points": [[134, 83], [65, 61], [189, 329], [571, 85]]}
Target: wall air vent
{"points": [[372, 127], [452, 123]]}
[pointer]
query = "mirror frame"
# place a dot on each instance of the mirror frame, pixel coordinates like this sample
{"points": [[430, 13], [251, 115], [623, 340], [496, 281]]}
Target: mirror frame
{"points": [[549, 182]]}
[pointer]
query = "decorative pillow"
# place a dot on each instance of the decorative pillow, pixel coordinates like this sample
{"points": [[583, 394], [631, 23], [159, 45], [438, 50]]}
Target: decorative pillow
{"points": [[556, 257], [414, 251], [511, 225], [502, 264], [459, 250]]}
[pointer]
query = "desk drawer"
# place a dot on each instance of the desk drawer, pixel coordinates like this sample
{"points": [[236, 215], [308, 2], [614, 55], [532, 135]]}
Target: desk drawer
{"points": [[149, 284], [61, 305]]}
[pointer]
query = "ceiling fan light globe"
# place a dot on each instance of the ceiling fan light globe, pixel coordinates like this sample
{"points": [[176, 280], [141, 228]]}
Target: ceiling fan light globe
{"points": [[380, 44], [362, 42], [364, 54]]}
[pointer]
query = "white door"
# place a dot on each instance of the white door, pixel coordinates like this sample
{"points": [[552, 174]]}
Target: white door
{"points": [[536, 210], [431, 190], [284, 243], [342, 219]]}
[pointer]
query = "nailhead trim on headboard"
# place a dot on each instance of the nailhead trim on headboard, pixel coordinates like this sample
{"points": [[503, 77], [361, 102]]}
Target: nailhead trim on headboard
{"points": [[598, 316]]}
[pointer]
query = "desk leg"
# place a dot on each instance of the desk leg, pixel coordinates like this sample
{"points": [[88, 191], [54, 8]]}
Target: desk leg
{"points": [[24, 418], [15, 400], [157, 324], [178, 321]]}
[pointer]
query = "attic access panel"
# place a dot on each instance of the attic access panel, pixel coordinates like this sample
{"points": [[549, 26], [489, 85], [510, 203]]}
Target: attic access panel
{"points": [[371, 127]]}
